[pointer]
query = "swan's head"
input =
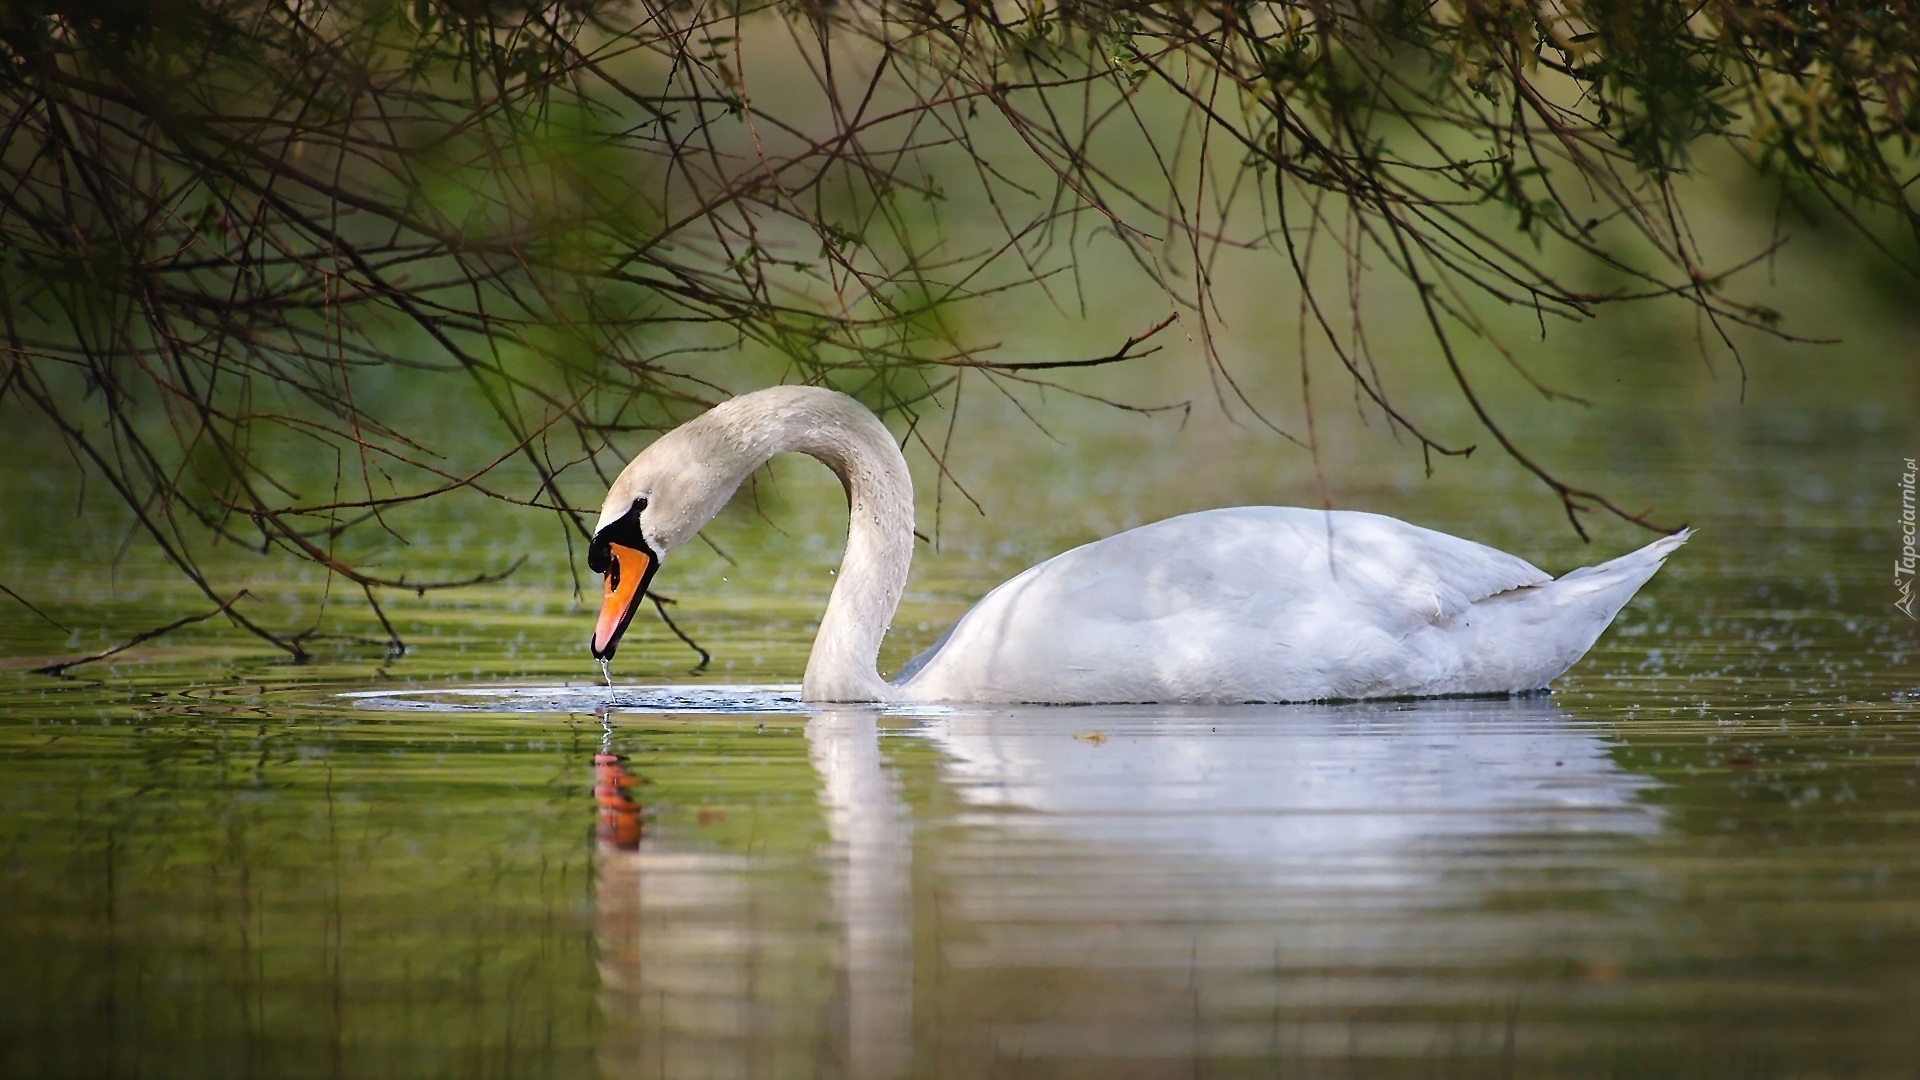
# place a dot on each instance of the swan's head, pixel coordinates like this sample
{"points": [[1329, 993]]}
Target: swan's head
{"points": [[656, 504]]}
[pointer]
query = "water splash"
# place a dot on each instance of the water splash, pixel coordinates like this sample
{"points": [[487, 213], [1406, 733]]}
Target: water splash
{"points": [[606, 671]]}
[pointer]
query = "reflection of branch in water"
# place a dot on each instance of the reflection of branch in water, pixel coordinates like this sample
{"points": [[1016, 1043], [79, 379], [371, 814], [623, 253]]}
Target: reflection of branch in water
{"points": [[620, 826]]}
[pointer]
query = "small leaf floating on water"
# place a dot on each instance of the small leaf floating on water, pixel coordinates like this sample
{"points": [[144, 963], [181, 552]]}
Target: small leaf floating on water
{"points": [[1601, 969], [1093, 737]]}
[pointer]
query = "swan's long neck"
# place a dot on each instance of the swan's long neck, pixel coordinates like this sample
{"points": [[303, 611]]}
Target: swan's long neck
{"points": [[873, 572], [746, 432]]}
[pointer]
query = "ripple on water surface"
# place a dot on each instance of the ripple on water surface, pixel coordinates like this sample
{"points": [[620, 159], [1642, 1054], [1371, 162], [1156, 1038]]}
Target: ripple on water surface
{"points": [[585, 698]]}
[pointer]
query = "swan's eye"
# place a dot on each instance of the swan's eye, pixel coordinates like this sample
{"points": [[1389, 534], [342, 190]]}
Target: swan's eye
{"points": [[626, 530]]}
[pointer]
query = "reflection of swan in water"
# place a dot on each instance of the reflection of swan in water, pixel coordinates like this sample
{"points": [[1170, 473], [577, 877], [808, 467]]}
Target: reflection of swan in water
{"points": [[613, 783], [725, 965], [1282, 789], [1305, 884], [1256, 881], [872, 873]]}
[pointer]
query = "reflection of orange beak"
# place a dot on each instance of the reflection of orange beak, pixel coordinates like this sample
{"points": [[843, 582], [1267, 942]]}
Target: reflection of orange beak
{"points": [[626, 575], [620, 823]]}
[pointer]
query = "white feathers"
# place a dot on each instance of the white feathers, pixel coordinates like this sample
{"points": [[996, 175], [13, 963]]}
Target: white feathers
{"points": [[1275, 604]]}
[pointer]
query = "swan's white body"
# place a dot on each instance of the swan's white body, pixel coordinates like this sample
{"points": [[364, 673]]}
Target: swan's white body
{"points": [[1269, 603], [1252, 603]]}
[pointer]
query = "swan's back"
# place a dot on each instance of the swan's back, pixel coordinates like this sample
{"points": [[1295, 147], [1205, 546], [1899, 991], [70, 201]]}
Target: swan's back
{"points": [[1271, 604]]}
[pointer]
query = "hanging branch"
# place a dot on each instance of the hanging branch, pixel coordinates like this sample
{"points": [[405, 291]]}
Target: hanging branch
{"points": [[145, 635], [246, 246], [28, 604]]}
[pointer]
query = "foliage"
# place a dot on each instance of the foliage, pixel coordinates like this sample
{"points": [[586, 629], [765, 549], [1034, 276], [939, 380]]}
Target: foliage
{"points": [[240, 236]]}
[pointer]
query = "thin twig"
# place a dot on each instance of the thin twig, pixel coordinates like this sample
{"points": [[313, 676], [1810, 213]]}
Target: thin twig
{"points": [[145, 635], [28, 604], [660, 605]]}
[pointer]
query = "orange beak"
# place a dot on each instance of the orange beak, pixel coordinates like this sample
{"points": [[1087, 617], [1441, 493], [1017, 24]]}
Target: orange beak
{"points": [[621, 588]]}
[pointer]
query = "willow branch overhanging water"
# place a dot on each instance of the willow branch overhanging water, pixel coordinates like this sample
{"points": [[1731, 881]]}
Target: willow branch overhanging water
{"points": [[233, 228]]}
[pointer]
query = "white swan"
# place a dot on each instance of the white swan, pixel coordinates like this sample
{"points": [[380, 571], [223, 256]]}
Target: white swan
{"points": [[1254, 603]]}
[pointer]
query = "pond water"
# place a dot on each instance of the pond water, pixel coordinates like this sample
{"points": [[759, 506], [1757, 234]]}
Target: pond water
{"points": [[1699, 856], [279, 880]]}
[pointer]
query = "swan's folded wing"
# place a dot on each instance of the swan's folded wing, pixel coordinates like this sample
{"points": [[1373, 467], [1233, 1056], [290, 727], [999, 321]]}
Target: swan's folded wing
{"points": [[1258, 564], [1266, 600], [1412, 576]]}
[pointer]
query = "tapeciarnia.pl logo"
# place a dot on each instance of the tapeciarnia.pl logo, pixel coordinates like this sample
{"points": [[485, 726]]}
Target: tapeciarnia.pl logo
{"points": [[1903, 567]]}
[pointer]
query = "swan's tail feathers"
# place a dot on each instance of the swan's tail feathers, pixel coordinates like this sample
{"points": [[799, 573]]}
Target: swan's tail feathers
{"points": [[1596, 594], [1529, 636], [1612, 583]]}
